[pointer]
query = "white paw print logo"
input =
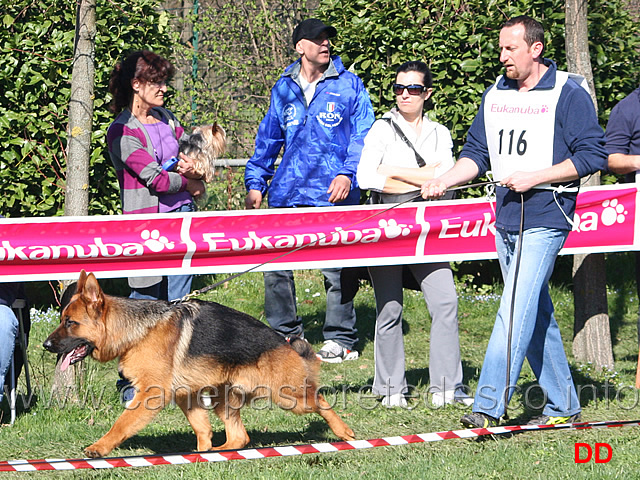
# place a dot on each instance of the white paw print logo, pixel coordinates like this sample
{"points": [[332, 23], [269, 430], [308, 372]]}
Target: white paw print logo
{"points": [[613, 212], [155, 242], [393, 230]]}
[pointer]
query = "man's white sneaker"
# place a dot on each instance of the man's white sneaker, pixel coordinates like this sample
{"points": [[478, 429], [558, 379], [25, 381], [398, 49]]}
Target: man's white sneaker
{"points": [[395, 400], [333, 352], [439, 399]]}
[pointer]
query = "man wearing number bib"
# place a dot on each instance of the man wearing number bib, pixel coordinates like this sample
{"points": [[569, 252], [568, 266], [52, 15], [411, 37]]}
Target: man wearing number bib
{"points": [[537, 131]]}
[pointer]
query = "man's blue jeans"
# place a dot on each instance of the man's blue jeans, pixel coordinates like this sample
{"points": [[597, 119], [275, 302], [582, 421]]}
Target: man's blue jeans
{"points": [[535, 331], [281, 311], [8, 334]]}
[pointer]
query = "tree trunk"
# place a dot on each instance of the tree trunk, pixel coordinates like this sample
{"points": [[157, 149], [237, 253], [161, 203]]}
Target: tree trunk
{"points": [[81, 111], [79, 146], [591, 332], [185, 60]]}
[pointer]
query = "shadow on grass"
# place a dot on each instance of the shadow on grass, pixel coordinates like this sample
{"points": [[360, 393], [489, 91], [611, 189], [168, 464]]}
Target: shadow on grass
{"points": [[23, 406], [185, 442], [365, 323], [418, 381], [597, 394], [632, 357]]}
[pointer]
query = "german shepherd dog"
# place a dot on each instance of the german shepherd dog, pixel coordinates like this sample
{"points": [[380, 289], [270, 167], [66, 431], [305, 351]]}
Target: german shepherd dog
{"points": [[178, 351]]}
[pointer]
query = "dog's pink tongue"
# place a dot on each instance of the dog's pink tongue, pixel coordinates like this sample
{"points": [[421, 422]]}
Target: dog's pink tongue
{"points": [[66, 361]]}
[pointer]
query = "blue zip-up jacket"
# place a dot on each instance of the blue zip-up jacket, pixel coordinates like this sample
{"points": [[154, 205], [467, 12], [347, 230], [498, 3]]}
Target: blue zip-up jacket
{"points": [[321, 140], [577, 136], [623, 128]]}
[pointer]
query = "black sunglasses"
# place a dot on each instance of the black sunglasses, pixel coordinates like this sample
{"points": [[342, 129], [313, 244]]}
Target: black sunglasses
{"points": [[398, 88]]}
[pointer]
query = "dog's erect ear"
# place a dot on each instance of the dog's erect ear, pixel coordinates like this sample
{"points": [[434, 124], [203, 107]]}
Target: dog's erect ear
{"points": [[92, 291], [219, 139], [217, 129], [81, 281]]}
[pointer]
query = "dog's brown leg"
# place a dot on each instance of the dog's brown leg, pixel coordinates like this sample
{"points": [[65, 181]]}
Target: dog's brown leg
{"points": [[308, 401], [229, 413], [198, 418], [132, 420], [336, 424]]}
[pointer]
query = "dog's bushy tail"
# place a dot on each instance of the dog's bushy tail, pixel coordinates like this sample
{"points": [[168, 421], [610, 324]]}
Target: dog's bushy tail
{"points": [[303, 348]]}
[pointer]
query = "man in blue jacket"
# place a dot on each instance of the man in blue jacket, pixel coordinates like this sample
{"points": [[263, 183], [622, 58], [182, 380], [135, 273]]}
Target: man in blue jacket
{"points": [[320, 113]]}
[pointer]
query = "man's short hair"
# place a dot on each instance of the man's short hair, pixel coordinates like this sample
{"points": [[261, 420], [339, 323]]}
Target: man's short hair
{"points": [[533, 30]]}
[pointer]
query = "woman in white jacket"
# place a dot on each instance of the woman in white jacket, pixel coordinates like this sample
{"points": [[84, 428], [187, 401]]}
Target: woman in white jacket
{"points": [[402, 150]]}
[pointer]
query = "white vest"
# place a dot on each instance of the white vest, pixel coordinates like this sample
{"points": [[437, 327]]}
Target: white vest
{"points": [[519, 127]]}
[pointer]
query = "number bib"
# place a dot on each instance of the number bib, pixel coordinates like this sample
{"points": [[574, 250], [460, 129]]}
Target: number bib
{"points": [[520, 127]]}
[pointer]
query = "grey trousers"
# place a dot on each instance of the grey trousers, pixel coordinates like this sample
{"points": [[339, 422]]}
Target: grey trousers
{"points": [[438, 288]]}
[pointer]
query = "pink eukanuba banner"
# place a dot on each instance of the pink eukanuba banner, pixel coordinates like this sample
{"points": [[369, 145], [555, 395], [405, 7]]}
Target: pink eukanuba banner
{"points": [[296, 238]]}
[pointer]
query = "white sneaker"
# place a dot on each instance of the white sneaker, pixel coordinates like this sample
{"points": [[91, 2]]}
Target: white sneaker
{"points": [[395, 400], [333, 352], [449, 397]]}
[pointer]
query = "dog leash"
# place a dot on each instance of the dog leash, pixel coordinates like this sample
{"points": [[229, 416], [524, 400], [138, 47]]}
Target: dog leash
{"points": [[239, 274], [511, 310], [278, 257]]}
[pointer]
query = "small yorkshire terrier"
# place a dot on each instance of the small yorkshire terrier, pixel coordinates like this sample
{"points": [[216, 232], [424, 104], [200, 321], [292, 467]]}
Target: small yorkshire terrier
{"points": [[204, 145]]}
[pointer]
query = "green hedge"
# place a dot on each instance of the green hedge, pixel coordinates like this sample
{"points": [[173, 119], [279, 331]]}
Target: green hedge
{"points": [[459, 41], [37, 41]]}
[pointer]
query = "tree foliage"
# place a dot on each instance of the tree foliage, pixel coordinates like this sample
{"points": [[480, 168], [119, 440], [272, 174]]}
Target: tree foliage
{"points": [[459, 40], [37, 41], [242, 48], [231, 56]]}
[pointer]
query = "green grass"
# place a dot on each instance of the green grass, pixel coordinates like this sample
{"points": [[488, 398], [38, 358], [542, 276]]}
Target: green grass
{"points": [[51, 430]]}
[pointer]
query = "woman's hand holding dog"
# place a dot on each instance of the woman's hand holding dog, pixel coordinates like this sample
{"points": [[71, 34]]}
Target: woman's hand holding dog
{"points": [[186, 167]]}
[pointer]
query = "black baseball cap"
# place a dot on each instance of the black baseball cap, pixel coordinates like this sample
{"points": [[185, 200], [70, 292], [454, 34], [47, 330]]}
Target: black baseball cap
{"points": [[311, 28]]}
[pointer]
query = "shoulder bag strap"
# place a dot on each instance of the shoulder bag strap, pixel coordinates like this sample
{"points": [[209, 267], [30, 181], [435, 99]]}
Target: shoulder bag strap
{"points": [[403, 137]]}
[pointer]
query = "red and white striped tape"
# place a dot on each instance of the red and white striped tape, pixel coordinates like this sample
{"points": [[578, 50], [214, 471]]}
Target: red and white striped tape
{"points": [[265, 452]]}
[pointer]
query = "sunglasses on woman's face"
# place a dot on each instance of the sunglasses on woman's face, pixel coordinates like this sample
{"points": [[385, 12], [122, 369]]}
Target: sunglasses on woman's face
{"points": [[398, 88]]}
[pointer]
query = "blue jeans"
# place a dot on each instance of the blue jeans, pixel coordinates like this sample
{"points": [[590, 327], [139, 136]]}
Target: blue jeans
{"points": [[535, 333], [8, 334], [172, 287], [282, 315]]}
